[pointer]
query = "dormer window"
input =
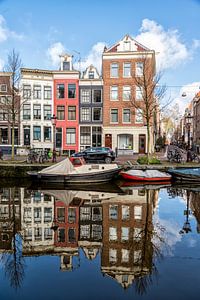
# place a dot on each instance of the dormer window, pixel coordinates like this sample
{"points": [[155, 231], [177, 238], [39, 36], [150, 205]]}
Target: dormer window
{"points": [[66, 66], [3, 88], [127, 46], [91, 74]]}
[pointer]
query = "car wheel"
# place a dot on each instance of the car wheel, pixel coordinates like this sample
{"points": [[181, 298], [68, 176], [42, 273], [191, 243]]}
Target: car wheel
{"points": [[108, 160]]}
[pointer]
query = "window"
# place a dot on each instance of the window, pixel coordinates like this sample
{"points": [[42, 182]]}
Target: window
{"points": [[27, 214], [125, 255], [4, 134], [126, 115], [114, 93], [38, 234], [37, 91], [127, 70], [60, 112], [137, 234], [37, 133], [3, 88], [85, 114], [125, 234], [96, 214], [66, 66], [112, 255], [138, 115], [114, 115], [26, 91], [113, 209], [97, 96], [96, 116], [126, 92], [71, 91], [125, 212], [28, 234], [37, 111], [139, 69], [114, 68], [96, 232], [47, 214], [139, 94], [60, 91], [3, 115], [96, 136], [71, 215], [72, 235], [71, 136], [85, 96], [127, 46], [61, 235], [26, 112], [47, 112], [85, 135], [47, 134], [47, 92], [85, 231], [91, 74], [61, 214], [71, 113], [138, 212], [85, 213], [37, 215], [137, 256], [112, 233]]}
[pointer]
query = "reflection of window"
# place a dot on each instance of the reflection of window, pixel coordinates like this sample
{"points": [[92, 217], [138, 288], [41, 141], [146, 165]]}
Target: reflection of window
{"points": [[28, 234], [85, 231], [112, 233], [85, 213], [48, 233], [71, 235], [112, 255], [125, 255], [126, 92], [114, 115], [71, 215], [137, 256], [61, 214], [71, 91], [127, 69], [113, 209], [37, 215], [47, 214], [114, 70], [3, 87], [71, 136], [60, 91], [138, 212], [38, 234], [125, 212], [27, 215], [61, 235], [114, 92], [96, 232], [96, 214], [125, 234], [137, 234]]}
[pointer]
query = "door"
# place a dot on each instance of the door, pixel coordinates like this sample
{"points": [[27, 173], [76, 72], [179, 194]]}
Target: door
{"points": [[27, 136], [108, 140], [142, 143]]}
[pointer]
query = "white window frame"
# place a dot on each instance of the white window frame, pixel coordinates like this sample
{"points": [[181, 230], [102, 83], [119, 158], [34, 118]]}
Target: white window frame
{"points": [[138, 116], [123, 112], [138, 93], [114, 90], [111, 122], [126, 64], [88, 109], [139, 68], [126, 93], [112, 68]]}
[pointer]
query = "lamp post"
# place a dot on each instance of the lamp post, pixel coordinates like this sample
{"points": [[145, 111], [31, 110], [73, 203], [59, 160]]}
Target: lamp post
{"points": [[188, 119], [53, 120], [186, 226]]}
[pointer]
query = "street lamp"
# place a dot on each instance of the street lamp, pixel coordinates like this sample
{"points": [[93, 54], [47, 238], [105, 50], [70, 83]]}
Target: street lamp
{"points": [[188, 120], [53, 121], [186, 226]]}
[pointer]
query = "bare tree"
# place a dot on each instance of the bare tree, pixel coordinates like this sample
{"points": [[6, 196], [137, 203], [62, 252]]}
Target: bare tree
{"points": [[151, 93], [12, 102]]}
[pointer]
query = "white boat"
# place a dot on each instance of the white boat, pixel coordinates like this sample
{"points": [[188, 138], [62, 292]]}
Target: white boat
{"points": [[76, 171], [146, 175]]}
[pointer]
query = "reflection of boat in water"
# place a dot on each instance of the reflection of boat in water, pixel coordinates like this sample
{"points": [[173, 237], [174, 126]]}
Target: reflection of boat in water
{"points": [[76, 171], [144, 185]]}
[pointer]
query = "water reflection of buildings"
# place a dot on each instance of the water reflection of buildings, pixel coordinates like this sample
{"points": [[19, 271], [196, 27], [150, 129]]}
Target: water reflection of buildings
{"points": [[127, 252], [59, 222]]}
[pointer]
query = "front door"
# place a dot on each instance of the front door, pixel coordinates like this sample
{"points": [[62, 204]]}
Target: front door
{"points": [[27, 136], [108, 140], [142, 143]]}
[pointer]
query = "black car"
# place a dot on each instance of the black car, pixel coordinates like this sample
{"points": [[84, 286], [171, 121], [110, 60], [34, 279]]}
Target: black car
{"points": [[97, 154]]}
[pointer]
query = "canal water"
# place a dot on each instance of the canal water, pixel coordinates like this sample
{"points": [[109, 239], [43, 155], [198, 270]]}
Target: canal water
{"points": [[108, 242]]}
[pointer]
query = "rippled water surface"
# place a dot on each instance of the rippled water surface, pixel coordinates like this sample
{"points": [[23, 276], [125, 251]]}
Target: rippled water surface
{"points": [[132, 242]]}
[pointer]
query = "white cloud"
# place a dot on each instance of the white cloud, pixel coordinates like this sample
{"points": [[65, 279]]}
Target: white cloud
{"points": [[6, 33], [93, 58], [54, 51], [171, 50]]}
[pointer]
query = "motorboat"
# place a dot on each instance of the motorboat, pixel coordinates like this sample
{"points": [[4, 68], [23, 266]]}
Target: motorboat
{"points": [[185, 174], [146, 175], [74, 170]]}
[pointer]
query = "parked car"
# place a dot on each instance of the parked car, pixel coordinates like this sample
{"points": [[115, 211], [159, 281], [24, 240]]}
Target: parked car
{"points": [[96, 154]]}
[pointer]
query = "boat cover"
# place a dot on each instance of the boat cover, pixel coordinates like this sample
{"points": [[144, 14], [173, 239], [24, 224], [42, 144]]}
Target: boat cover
{"points": [[62, 168], [148, 173]]}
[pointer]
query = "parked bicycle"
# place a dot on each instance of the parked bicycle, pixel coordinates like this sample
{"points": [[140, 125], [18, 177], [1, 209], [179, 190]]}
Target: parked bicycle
{"points": [[32, 157], [43, 157]]}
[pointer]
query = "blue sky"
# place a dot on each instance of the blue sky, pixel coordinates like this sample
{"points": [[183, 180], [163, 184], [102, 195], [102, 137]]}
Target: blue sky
{"points": [[40, 30]]}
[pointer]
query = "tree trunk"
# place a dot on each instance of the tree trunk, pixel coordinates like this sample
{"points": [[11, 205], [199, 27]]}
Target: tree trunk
{"points": [[148, 142], [13, 142]]}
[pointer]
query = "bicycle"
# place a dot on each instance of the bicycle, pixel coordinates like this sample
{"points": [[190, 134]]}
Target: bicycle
{"points": [[32, 157]]}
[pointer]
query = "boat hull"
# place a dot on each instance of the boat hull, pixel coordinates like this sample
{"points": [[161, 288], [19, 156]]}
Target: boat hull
{"points": [[144, 179], [185, 175], [77, 178]]}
